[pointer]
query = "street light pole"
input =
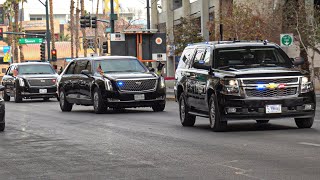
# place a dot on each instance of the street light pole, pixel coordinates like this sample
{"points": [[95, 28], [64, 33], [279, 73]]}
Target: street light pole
{"points": [[112, 16], [48, 30], [148, 14]]}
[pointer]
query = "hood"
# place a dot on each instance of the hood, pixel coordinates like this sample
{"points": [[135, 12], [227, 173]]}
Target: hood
{"points": [[38, 76], [261, 72], [131, 75]]}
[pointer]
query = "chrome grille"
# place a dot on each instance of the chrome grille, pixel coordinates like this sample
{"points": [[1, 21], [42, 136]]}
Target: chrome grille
{"points": [[268, 81], [41, 82], [138, 85], [271, 92]]}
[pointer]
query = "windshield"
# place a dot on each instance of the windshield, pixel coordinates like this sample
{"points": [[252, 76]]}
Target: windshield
{"points": [[247, 57], [35, 69], [119, 65]]}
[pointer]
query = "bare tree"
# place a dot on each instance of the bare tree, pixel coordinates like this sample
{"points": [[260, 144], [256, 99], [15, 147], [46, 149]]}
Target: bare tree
{"points": [[77, 29], [71, 27]]}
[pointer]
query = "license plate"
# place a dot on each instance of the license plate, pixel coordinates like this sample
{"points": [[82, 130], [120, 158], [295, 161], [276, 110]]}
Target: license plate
{"points": [[139, 97], [273, 109], [42, 91]]}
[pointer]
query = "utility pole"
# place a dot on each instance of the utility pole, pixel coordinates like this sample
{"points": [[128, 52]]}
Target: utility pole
{"points": [[148, 14], [48, 36], [112, 16]]}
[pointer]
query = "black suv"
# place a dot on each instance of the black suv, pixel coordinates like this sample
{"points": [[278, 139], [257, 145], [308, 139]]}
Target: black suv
{"points": [[30, 80], [242, 80], [110, 82]]}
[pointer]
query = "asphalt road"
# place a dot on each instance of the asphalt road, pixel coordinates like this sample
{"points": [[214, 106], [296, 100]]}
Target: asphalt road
{"points": [[41, 142]]}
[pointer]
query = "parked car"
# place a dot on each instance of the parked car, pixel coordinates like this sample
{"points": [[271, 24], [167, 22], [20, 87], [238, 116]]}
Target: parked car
{"points": [[111, 82], [242, 80], [30, 80], [2, 112]]}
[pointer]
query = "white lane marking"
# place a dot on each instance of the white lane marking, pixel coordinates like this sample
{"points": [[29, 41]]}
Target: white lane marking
{"points": [[309, 144]]}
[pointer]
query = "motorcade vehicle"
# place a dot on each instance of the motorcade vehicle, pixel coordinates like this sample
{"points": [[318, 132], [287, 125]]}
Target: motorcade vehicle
{"points": [[110, 82], [242, 80], [30, 80], [2, 112]]}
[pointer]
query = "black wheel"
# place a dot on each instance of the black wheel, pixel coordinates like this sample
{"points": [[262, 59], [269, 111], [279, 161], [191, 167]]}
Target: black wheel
{"points": [[46, 99], [159, 107], [216, 123], [262, 121], [185, 118], [17, 96], [98, 105], [304, 122], [2, 126], [6, 97], [65, 106]]}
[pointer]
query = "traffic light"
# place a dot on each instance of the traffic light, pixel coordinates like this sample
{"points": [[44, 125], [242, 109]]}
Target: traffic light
{"points": [[54, 55], [1, 34], [94, 22], [105, 47], [43, 52], [85, 21]]}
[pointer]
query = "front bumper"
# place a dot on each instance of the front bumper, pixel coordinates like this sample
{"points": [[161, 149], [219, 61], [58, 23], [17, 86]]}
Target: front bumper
{"points": [[126, 100], [34, 92], [294, 107]]}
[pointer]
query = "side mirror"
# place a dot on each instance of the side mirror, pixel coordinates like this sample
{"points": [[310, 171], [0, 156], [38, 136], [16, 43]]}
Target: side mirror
{"points": [[201, 65], [85, 72], [2, 88], [297, 61], [152, 70]]}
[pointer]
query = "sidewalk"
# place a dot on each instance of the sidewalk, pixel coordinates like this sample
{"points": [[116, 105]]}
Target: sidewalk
{"points": [[170, 90]]}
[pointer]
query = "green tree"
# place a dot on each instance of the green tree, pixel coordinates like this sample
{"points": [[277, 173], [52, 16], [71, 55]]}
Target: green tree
{"points": [[188, 31]]}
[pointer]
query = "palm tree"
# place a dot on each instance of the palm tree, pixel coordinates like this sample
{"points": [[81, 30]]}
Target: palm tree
{"points": [[53, 40], [20, 28], [72, 26], [16, 27], [83, 13], [77, 29], [8, 9]]}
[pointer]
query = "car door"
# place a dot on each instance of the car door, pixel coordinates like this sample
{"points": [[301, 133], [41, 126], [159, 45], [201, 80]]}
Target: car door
{"points": [[202, 79], [85, 83], [192, 83], [67, 82], [8, 79]]}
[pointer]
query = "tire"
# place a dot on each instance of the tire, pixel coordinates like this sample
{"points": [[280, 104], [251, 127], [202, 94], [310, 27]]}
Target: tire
{"points": [[17, 96], [159, 107], [98, 105], [262, 121], [216, 123], [185, 118], [304, 122], [2, 126], [5, 96], [65, 106]]}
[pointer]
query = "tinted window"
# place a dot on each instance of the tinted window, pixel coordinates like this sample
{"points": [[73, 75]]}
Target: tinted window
{"points": [[9, 71], [80, 65], [250, 57], [88, 67], [70, 69], [199, 55], [185, 58], [207, 56], [35, 69], [120, 65]]}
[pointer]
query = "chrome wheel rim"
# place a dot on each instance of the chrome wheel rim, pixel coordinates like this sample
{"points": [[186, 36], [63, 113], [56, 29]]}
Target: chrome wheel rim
{"points": [[182, 110], [212, 114], [96, 100]]}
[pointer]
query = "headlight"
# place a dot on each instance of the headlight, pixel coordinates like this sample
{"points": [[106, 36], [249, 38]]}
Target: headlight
{"points": [[21, 82], [231, 86], [306, 85], [108, 85], [162, 82]]}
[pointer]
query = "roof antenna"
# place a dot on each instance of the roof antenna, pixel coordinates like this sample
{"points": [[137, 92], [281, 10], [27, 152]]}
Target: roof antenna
{"points": [[265, 42]]}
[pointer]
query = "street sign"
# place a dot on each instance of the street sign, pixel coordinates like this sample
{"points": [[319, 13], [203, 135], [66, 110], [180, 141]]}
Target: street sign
{"points": [[286, 39], [30, 41], [118, 37], [108, 30]]}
